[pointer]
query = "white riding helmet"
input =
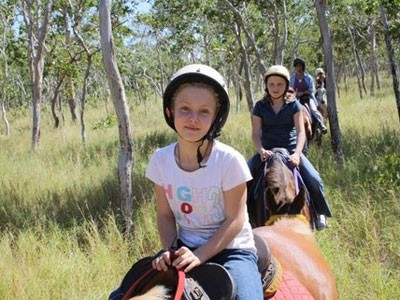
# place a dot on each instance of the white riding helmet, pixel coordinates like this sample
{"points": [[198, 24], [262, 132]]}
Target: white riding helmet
{"points": [[277, 70], [319, 70], [203, 74]]}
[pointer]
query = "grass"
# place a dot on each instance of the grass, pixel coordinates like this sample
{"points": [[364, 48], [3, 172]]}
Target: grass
{"points": [[60, 236]]}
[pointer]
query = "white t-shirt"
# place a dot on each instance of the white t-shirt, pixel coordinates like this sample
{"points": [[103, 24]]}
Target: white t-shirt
{"points": [[196, 198]]}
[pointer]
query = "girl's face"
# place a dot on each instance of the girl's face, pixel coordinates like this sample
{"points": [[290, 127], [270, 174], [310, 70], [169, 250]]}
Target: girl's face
{"points": [[276, 86], [194, 110], [299, 68]]}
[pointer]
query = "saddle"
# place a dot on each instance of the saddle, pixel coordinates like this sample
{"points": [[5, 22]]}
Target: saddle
{"points": [[208, 281], [268, 266]]}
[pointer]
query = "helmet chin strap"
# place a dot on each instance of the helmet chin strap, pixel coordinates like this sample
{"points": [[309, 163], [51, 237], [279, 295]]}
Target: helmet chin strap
{"points": [[199, 155]]}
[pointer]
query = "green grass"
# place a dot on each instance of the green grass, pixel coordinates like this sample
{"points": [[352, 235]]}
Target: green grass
{"points": [[60, 233]]}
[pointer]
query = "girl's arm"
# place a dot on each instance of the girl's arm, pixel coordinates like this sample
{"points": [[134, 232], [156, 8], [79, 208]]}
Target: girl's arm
{"points": [[235, 206], [256, 137], [301, 137], [165, 218]]}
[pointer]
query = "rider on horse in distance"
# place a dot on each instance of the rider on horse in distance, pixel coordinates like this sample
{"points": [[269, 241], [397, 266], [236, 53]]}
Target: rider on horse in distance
{"points": [[303, 84], [320, 78], [277, 123]]}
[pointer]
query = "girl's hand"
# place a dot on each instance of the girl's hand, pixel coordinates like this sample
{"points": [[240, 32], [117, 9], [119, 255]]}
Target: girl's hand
{"points": [[185, 259], [265, 154], [295, 159], [162, 261]]}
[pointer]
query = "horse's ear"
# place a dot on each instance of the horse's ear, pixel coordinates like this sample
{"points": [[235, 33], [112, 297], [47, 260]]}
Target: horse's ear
{"points": [[299, 202]]}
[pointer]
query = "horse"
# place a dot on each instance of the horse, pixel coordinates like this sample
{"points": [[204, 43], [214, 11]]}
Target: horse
{"points": [[313, 132], [287, 250], [288, 233], [322, 101], [307, 118], [273, 192]]}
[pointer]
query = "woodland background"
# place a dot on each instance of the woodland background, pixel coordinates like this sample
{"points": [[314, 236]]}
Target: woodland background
{"points": [[62, 234]]}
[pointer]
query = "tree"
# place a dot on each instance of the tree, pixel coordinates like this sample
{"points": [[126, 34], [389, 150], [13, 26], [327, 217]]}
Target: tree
{"points": [[36, 19], [5, 18], [336, 135], [391, 58], [125, 162]]}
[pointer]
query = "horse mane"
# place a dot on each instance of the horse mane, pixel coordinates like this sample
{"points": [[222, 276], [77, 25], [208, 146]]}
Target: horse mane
{"points": [[275, 176], [281, 194]]}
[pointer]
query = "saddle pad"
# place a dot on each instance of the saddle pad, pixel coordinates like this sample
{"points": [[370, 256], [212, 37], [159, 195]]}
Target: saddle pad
{"points": [[291, 289]]}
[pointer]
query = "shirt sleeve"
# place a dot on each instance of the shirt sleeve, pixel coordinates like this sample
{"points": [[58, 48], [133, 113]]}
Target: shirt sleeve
{"points": [[153, 168], [257, 110], [297, 106], [236, 172]]}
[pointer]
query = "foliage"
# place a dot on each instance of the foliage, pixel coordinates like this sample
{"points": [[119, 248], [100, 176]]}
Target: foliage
{"points": [[105, 123]]}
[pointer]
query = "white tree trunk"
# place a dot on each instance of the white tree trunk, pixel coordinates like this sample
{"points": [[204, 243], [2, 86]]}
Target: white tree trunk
{"points": [[336, 137], [36, 21], [125, 162], [5, 120]]}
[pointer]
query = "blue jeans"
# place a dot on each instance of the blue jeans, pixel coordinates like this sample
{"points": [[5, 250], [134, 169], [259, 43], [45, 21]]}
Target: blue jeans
{"points": [[311, 178], [242, 266], [315, 186]]}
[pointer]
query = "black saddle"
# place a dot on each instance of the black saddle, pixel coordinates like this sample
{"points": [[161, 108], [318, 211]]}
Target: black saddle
{"points": [[208, 281]]}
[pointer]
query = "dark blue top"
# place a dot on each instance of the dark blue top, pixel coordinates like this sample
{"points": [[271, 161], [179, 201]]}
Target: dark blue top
{"points": [[278, 130]]}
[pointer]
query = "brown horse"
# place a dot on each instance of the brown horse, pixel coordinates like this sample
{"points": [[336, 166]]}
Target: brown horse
{"points": [[290, 238], [306, 116]]}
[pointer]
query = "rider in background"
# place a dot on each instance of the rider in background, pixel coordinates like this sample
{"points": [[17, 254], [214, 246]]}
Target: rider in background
{"points": [[320, 78], [277, 122], [303, 84], [200, 184]]}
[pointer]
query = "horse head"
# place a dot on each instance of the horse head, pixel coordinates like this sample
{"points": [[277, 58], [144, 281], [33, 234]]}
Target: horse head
{"points": [[284, 193], [322, 101]]}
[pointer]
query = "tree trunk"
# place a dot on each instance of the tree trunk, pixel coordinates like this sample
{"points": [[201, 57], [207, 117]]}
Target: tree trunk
{"points": [[356, 61], [4, 84], [54, 101], [69, 83], [246, 67], [4, 116], [125, 162], [374, 65], [36, 43], [391, 58], [279, 46], [336, 136]]}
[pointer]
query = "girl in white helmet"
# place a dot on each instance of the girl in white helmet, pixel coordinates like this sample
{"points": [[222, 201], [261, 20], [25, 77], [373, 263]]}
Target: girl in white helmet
{"points": [[200, 184], [277, 122], [320, 79]]}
